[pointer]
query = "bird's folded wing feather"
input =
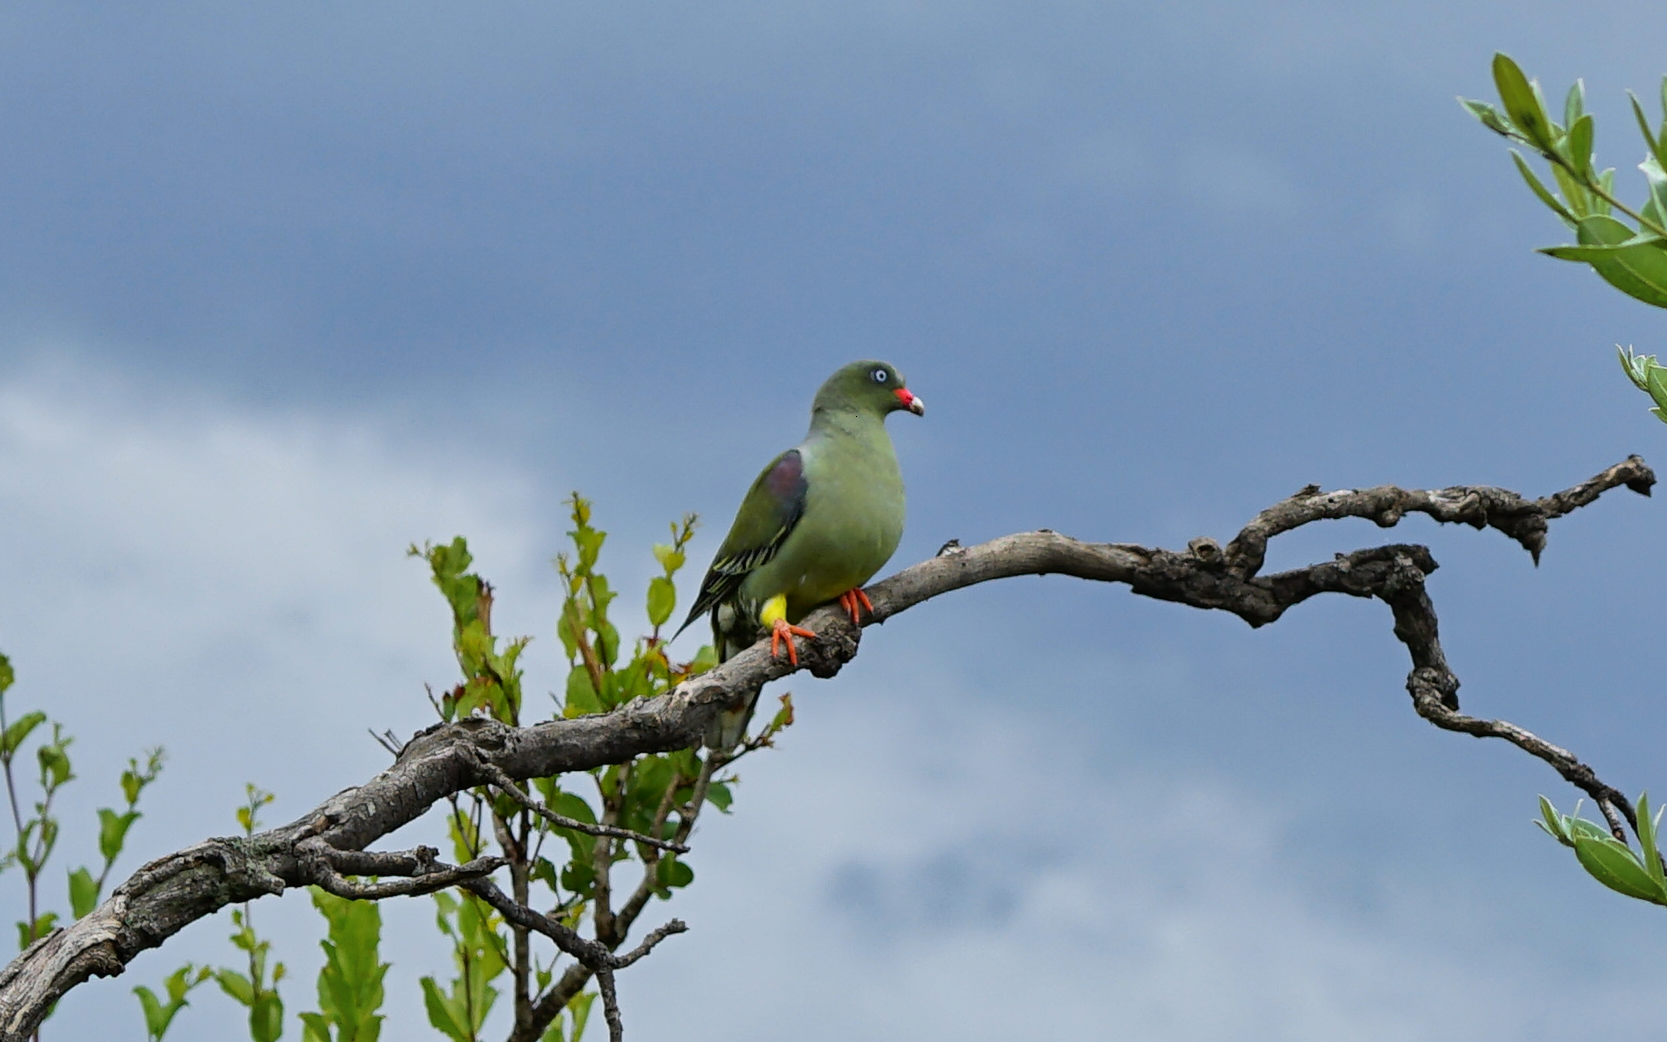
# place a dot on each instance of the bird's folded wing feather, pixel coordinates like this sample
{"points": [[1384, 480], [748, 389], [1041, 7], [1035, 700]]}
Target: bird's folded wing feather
{"points": [[768, 514]]}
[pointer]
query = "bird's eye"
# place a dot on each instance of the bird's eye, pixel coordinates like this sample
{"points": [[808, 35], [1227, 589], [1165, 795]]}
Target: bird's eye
{"points": [[881, 376]]}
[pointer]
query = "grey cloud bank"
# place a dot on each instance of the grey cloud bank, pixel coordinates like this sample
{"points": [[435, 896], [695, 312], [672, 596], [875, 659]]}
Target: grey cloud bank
{"points": [[282, 291]]}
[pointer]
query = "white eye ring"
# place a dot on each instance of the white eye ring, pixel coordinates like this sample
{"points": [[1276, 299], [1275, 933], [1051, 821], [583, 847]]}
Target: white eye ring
{"points": [[880, 376]]}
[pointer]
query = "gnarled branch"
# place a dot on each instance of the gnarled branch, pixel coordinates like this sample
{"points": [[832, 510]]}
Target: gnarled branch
{"points": [[329, 843]]}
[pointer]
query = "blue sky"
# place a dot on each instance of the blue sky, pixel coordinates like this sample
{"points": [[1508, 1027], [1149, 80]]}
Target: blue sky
{"points": [[284, 290]]}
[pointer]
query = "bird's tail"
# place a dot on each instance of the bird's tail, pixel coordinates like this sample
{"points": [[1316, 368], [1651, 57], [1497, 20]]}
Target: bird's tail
{"points": [[725, 732], [727, 729]]}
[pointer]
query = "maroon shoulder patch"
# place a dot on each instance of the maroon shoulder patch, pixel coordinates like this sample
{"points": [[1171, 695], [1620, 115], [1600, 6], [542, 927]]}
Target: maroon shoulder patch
{"points": [[787, 478]]}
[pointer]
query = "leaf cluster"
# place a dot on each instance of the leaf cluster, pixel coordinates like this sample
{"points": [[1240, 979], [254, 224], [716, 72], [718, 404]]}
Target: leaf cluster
{"points": [[176, 986], [1630, 257], [657, 796], [350, 983], [36, 833], [564, 844], [250, 987], [1638, 873]]}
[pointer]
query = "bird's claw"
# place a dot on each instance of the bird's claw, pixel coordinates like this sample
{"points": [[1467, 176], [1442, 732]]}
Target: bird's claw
{"points": [[850, 599], [784, 630]]}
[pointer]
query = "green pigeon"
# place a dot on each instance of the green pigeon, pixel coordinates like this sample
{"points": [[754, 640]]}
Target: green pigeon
{"points": [[820, 520]]}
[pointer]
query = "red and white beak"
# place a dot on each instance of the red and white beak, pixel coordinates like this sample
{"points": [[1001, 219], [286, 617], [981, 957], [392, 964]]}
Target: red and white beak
{"points": [[911, 401]]}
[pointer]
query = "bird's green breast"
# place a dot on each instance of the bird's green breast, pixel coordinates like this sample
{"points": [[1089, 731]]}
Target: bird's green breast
{"points": [[852, 523]]}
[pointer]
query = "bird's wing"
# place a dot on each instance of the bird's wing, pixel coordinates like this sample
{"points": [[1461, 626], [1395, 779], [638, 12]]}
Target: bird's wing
{"points": [[768, 514]]}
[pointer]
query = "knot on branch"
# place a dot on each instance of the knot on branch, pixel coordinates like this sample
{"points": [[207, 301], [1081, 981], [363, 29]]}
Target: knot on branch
{"points": [[246, 872], [100, 960], [1207, 552], [1431, 687], [1403, 577], [834, 646]]}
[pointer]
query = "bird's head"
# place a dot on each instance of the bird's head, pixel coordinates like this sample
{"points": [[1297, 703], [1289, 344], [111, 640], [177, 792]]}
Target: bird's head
{"points": [[869, 386]]}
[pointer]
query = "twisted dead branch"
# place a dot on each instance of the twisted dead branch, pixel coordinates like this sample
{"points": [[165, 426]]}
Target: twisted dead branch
{"points": [[329, 844]]}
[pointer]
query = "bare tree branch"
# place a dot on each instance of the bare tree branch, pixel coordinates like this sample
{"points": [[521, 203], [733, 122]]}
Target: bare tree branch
{"points": [[610, 1005], [505, 784], [167, 894]]}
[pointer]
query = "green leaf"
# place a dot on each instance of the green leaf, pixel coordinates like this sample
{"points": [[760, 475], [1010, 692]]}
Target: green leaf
{"points": [[83, 892], [607, 643], [580, 1008], [1579, 198], [1606, 181], [649, 779], [1614, 865], [1490, 116], [1656, 379], [670, 558], [112, 831], [54, 761], [266, 1018], [447, 1019], [581, 697], [1634, 264], [1657, 146], [571, 805], [543, 871], [662, 599], [1574, 105], [566, 631], [314, 1028], [236, 985], [156, 1020], [7, 677], [580, 878], [1651, 378], [784, 716], [1581, 828], [19, 729], [1634, 366], [44, 925], [719, 796], [350, 983], [1577, 146], [1647, 843], [1521, 102], [588, 541], [1552, 823], [1657, 178], [705, 659], [671, 872], [177, 984]]}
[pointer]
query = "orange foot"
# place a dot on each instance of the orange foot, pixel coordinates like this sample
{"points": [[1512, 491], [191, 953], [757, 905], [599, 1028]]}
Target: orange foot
{"points": [[849, 601], [784, 630]]}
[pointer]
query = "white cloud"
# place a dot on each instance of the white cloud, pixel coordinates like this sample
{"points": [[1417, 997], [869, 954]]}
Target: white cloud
{"points": [[231, 583], [964, 873], [194, 572]]}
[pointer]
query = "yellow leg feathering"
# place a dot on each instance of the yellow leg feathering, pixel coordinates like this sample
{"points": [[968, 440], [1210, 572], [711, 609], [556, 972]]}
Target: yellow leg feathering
{"points": [[774, 615]]}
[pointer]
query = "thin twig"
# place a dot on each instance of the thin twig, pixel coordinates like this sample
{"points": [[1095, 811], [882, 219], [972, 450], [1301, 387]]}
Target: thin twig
{"points": [[593, 954], [610, 1005], [334, 882], [506, 784], [1587, 181], [686, 816]]}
